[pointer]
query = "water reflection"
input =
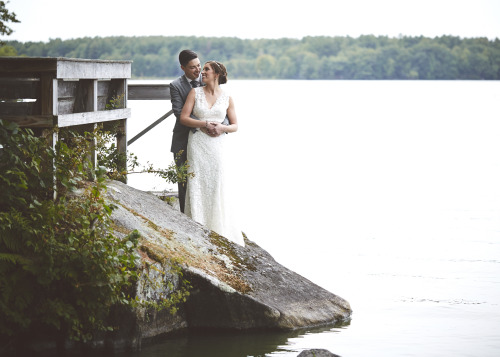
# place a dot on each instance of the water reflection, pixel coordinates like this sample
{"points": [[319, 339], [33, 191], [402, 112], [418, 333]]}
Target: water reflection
{"points": [[225, 344]]}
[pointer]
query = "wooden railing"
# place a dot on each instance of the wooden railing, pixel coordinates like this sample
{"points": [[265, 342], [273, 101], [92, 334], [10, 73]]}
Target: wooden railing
{"points": [[43, 93]]}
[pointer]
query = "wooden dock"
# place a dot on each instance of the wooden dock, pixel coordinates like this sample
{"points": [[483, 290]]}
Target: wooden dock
{"points": [[46, 92]]}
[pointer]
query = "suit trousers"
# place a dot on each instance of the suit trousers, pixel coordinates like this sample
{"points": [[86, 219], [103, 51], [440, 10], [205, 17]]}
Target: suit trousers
{"points": [[181, 186]]}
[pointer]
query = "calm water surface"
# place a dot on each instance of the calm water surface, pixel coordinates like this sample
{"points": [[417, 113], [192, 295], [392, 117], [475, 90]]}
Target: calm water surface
{"points": [[383, 192]]}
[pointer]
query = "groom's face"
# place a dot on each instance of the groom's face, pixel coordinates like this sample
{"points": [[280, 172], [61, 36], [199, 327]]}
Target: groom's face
{"points": [[192, 69]]}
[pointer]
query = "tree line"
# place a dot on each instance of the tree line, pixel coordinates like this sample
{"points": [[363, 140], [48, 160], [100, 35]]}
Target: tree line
{"points": [[364, 57]]}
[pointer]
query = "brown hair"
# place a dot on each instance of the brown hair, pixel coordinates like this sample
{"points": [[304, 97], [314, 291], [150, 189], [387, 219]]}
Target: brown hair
{"points": [[220, 69], [185, 56]]}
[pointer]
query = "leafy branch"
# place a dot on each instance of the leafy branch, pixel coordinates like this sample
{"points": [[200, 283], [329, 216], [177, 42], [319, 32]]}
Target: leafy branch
{"points": [[62, 268]]}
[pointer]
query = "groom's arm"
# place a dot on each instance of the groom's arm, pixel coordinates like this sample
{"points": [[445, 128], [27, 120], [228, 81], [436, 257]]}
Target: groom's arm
{"points": [[178, 103], [176, 100]]}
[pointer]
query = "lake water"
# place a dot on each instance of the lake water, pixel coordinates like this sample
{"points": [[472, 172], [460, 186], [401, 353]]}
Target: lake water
{"points": [[386, 193]]}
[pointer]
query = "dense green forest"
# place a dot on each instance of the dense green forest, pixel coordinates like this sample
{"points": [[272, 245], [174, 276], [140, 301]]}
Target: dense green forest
{"points": [[364, 57]]}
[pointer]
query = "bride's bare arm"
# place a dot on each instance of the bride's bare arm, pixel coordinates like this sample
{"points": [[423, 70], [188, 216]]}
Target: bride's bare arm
{"points": [[186, 113]]}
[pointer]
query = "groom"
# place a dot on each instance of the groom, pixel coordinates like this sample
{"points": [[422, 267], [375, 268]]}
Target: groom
{"points": [[179, 90]]}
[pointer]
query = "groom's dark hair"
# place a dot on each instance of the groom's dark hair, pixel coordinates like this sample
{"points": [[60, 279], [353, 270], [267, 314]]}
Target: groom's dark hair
{"points": [[187, 55]]}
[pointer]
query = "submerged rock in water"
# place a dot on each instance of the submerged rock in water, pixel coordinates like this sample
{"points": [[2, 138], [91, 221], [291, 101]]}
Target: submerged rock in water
{"points": [[233, 287]]}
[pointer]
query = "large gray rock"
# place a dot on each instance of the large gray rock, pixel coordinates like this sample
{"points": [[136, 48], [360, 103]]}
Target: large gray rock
{"points": [[233, 287], [316, 353]]}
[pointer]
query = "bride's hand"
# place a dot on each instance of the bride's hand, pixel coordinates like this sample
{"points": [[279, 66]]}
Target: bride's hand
{"points": [[218, 129], [209, 129], [212, 130]]}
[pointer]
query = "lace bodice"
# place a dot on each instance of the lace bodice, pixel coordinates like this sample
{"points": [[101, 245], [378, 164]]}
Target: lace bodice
{"points": [[218, 110]]}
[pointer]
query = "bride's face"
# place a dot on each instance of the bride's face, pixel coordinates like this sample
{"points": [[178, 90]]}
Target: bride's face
{"points": [[208, 74]]}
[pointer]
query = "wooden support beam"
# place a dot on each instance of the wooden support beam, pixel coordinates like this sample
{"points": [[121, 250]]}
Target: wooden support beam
{"points": [[64, 92], [19, 88], [148, 92], [121, 144], [13, 108], [92, 117], [66, 68], [90, 69], [47, 92], [31, 121]]}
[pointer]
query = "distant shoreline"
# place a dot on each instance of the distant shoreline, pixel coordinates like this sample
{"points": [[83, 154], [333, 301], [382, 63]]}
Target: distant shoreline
{"points": [[366, 57]]}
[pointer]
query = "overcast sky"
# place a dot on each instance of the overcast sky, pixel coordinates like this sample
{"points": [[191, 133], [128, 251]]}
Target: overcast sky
{"points": [[42, 20]]}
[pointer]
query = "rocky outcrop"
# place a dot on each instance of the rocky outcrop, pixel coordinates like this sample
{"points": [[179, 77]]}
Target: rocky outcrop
{"points": [[232, 287], [317, 353]]}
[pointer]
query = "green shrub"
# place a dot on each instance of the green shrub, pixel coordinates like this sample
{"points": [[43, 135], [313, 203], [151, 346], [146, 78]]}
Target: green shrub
{"points": [[61, 267]]}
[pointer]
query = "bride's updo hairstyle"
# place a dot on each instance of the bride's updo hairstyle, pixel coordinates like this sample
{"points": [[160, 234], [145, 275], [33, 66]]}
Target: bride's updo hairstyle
{"points": [[220, 69]]}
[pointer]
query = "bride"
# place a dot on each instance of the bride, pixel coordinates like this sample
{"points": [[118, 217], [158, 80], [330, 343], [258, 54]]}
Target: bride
{"points": [[207, 196]]}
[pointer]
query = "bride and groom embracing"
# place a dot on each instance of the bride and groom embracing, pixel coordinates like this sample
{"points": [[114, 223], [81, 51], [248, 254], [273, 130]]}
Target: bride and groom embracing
{"points": [[204, 113]]}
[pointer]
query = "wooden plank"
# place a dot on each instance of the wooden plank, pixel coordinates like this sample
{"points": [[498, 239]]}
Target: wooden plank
{"points": [[47, 91], [14, 108], [65, 106], [18, 88], [103, 88], [93, 69], [27, 64], [101, 103], [66, 93], [125, 93], [31, 121], [92, 104], [121, 144], [66, 89], [55, 101], [92, 117], [25, 75], [148, 92], [67, 68]]}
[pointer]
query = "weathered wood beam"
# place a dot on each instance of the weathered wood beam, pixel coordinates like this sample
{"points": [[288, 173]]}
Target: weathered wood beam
{"points": [[18, 88], [67, 68], [26, 65], [48, 94], [121, 144], [148, 92], [92, 117], [13, 108], [31, 121], [93, 69]]}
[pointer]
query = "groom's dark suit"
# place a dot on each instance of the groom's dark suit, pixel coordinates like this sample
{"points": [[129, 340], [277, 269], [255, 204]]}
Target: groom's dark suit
{"points": [[179, 90]]}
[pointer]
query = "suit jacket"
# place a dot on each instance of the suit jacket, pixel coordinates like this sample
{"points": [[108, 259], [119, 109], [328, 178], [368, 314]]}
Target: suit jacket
{"points": [[179, 90]]}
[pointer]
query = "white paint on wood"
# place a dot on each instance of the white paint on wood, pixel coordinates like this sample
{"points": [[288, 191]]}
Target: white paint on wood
{"points": [[92, 117]]}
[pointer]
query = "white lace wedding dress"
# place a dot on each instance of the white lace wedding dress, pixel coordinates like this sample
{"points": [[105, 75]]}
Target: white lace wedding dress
{"points": [[207, 194]]}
